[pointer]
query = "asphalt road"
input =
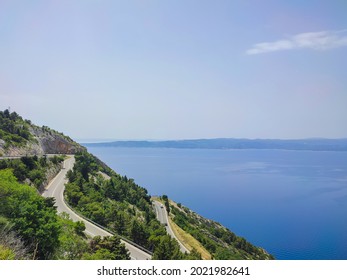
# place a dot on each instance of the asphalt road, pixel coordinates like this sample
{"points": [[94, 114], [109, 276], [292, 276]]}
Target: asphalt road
{"points": [[56, 189], [164, 219]]}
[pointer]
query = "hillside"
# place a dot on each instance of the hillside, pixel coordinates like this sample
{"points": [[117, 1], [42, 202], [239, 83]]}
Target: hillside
{"points": [[98, 193], [20, 137], [218, 240], [30, 228]]}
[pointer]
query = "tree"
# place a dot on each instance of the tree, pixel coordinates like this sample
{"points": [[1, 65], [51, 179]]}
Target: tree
{"points": [[224, 254], [72, 246], [29, 162], [166, 202], [37, 176], [193, 255], [43, 161], [167, 249], [37, 224], [120, 223], [33, 218], [7, 113], [73, 193], [138, 233], [20, 171], [85, 164], [80, 227], [107, 248]]}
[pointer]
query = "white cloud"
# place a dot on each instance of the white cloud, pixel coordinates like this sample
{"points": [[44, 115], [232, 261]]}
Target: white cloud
{"points": [[322, 40]]}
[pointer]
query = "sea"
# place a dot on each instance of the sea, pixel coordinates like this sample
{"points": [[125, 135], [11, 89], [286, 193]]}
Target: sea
{"points": [[291, 203]]}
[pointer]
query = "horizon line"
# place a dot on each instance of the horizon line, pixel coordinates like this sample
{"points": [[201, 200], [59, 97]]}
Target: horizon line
{"points": [[109, 140]]}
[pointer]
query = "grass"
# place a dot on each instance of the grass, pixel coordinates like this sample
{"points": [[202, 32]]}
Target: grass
{"points": [[184, 237], [189, 241]]}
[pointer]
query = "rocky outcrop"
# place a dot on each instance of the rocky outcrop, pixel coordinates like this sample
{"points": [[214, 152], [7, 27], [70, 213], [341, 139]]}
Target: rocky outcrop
{"points": [[52, 142], [50, 174], [43, 141], [16, 151]]}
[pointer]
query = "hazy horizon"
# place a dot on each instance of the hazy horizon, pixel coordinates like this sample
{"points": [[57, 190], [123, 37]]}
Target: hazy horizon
{"points": [[177, 69], [101, 140]]}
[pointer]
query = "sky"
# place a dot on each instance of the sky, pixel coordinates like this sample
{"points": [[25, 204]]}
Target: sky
{"points": [[183, 69]]}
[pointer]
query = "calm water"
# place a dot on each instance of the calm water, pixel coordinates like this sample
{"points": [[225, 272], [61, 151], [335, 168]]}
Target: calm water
{"points": [[292, 203]]}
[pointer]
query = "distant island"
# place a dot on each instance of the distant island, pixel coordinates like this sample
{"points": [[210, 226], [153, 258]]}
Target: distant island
{"points": [[313, 144]]}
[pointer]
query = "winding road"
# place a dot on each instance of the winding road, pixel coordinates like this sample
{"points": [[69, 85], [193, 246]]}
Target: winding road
{"points": [[164, 219], [56, 189]]}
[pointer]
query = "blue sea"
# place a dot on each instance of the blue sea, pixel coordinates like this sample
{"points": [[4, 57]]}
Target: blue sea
{"points": [[292, 203]]}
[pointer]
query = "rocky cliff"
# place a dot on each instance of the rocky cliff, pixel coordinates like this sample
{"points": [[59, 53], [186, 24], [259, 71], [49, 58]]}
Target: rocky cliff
{"points": [[19, 137], [52, 142]]}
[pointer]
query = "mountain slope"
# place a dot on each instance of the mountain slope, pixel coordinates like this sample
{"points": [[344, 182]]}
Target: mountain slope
{"points": [[218, 240], [114, 201], [20, 137]]}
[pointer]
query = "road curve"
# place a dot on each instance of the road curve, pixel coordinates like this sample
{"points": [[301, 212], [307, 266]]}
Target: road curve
{"points": [[164, 219], [56, 189]]}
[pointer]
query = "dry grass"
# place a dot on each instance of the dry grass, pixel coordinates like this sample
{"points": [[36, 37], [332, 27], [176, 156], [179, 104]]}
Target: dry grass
{"points": [[184, 237], [189, 241]]}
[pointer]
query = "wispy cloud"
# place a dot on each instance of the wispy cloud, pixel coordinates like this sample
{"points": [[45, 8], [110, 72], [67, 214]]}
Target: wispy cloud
{"points": [[322, 40]]}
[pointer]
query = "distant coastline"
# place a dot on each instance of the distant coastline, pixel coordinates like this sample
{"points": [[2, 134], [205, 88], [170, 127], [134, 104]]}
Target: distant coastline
{"points": [[313, 144]]}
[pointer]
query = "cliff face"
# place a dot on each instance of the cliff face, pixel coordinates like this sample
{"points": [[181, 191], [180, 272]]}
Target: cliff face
{"points": [[51, 142], [37, 140]]}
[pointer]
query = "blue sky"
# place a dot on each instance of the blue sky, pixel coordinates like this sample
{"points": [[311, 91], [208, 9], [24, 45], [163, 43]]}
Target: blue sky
{"points": [[177, 69]]}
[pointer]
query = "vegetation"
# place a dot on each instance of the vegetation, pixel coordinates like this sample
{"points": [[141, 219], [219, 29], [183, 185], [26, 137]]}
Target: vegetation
{"points": [[13, 129], [52, 132], [106, 248], [166, 203], [32, 170], [33, 217], [21, 136], [74, 244], [220, 242], [11, 246], [118, 204], [190, 242], [31, 229]]}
